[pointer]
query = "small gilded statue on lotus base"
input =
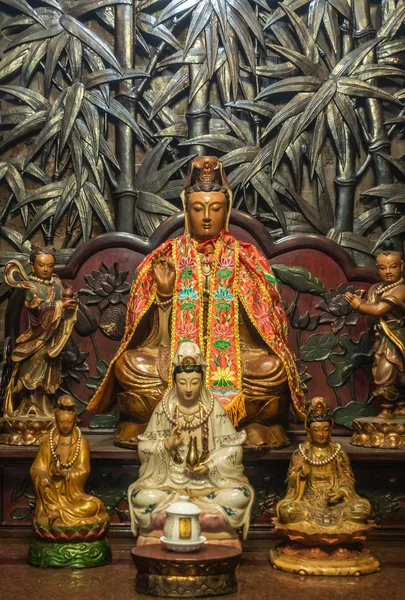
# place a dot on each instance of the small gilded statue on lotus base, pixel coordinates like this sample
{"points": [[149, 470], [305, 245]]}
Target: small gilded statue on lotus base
{"points": [[70, 526], [386, 302], [190, 448], [28, 410], [322, 517]]}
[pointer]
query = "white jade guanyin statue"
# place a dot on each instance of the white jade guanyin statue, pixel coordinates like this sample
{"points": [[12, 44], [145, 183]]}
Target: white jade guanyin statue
{"points": [[191, 447]]}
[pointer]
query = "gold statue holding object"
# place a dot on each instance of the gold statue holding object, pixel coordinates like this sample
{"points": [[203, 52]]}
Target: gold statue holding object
{"points": [[37, 371], [322, 516], [386, 301], [208, 288], [70, 525]]}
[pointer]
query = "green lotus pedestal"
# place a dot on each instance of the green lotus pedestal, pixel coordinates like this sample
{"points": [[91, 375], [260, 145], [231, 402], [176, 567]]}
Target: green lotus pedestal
{"points": [[74, 547]]}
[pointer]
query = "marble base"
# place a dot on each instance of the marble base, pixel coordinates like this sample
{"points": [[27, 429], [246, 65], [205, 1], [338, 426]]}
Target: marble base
{"points": [[339, 560], [379, 432], [24, 431], [207, 572]]}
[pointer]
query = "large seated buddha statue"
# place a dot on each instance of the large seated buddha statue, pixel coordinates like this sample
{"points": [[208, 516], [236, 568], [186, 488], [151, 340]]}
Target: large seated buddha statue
{"points": [[209, 288], [321, 515]]}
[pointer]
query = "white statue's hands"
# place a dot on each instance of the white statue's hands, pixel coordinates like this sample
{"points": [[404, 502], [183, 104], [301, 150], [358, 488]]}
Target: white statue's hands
{"points": [[199, 469], [176, 439]]}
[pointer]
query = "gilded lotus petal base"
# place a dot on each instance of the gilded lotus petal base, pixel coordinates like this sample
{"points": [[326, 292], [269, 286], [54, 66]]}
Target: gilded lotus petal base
{"points": [[24, 431], [337, 560], [377, 432]]}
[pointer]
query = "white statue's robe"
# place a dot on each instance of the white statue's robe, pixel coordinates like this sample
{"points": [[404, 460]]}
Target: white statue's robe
{"points": [[224, 490]]}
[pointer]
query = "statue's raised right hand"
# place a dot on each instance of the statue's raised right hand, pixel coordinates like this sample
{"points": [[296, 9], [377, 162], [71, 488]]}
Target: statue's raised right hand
{"points": [[176, 439], [165, 274]]}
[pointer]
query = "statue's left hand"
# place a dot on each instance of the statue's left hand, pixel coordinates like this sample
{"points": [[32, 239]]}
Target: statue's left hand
{"points": [[199, 469], [335, 498]]}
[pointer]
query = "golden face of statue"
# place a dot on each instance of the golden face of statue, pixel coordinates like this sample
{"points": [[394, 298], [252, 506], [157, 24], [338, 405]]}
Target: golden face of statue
{"points": [[65, 421], [43, 266], [207, 212], [188, 387], [320, 433], [390, 266]]}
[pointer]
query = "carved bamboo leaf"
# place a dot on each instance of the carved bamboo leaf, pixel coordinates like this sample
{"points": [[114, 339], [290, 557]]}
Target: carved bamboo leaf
{"points": [[304, 35], [319, 101], [296, 106], [75, 54], [262, 183], [91, 116], [317, 142], [66, 197], [354, 87], [262, 159], [201, 16], [15, 182], [240, 155], [150, 164], [26, 9], [283, 140], [13, 61], [152, 203], [315, 16], [386, 190], [261, 108], [248, 15], [16, 238], [109, 75], [46, 192], [395, 229], [243, 36], [202, 76], [37, 32], [232, 56], [393, 23], [55, 48], [158, 179], [313, 216], [85, 214], [106, 152], [73, 103], [396, 162], [25, 127], [177, 84], [42, 215], [366, 220], [221, 142], [352, 59], [90, 39], [148, 24], [34, 56], [336, 127], [348, 114], [219, 7], [115, 109], [76, 151], [332, 28], [291, 84], [305, 64], [30, 97], [81, 7], [240, 128], [279, 13], [371, 71], [99, 205], [211, 44], [51, 128], [175, 8]]}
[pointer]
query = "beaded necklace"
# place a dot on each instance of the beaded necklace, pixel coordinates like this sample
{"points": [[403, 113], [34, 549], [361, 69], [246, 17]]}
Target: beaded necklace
{"points": [[194, 424], [318, 462], [39, 280], [70, 463], [384, 287]]}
